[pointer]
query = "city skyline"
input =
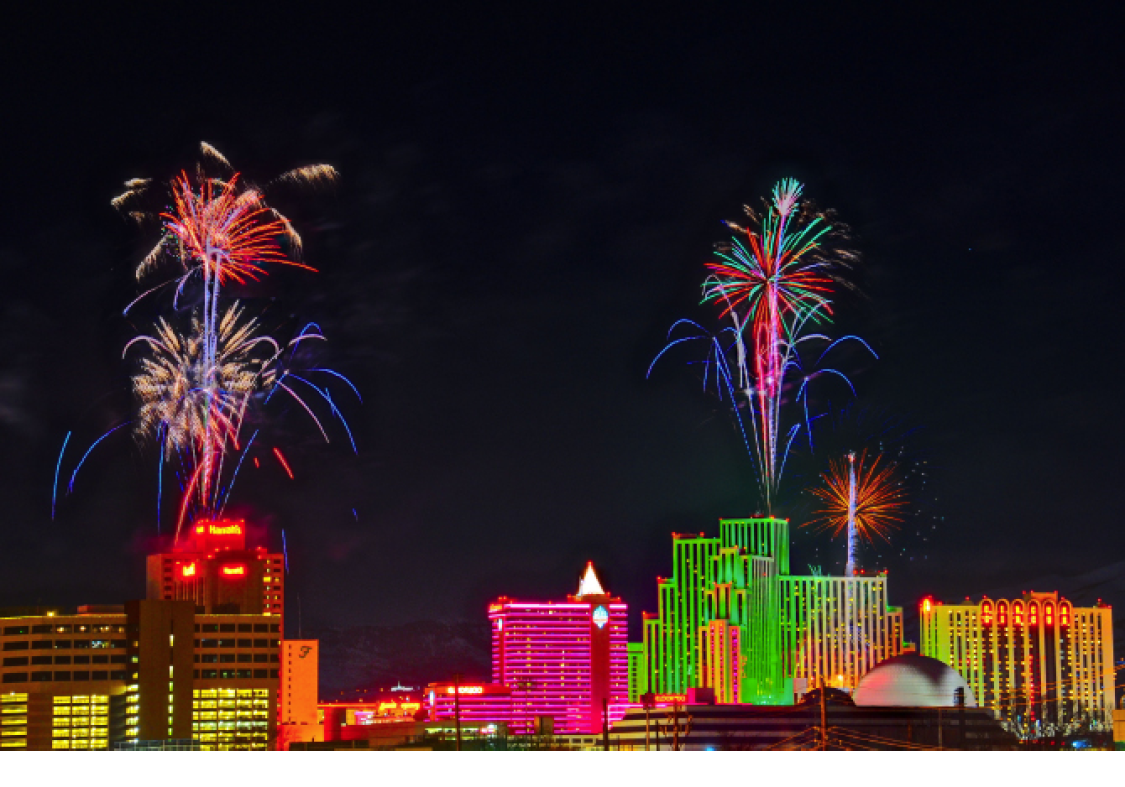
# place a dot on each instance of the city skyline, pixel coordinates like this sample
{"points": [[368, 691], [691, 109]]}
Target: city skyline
{"points": [[499, 266]]}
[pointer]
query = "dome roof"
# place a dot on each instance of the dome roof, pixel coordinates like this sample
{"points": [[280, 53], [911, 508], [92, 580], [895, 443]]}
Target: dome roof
{"points": [[914, 681]]}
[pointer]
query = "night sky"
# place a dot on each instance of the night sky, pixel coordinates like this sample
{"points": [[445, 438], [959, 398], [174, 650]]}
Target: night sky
{"points": [[527, 202]]}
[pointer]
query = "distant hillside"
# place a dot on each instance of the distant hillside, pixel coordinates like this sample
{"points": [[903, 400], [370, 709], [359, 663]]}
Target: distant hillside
{"points": [[362, 659]]}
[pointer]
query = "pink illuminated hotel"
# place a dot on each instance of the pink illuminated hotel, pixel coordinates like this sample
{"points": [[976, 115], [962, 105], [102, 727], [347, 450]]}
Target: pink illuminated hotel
{"points": [[566, 661]]}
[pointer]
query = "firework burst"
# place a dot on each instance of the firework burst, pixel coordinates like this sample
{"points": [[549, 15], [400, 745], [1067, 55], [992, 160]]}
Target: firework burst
{"points": [[195, 388], [172, 384], [192, 401], [195, 412], [773, 282], [860, 498], [219, 225]]}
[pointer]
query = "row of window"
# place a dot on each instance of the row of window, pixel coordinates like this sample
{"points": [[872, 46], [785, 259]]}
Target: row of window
{"points": [[22, 661], [63, 628], [231, 715], [246, 726], [93, 744], [22, 677], [229, 658], [260, 628], [237, 643], [229, 694], [63, 644], [79, 722], [81, 700], [243, 704], [209, 674]]}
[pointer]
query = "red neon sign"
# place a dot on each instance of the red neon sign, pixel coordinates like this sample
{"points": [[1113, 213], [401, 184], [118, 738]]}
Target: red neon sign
{"points": [[233, 571], [188, 570], [224, 530], [673, 698], [465, 690]]}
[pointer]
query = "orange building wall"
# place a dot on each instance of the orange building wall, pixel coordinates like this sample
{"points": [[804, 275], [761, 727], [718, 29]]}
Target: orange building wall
{"points": [[297, 715], [299, 681]]}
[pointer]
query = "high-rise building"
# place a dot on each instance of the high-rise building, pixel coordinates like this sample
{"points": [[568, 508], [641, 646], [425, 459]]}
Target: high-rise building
{"points": [[146, 671], [732, 618], [1042, 664], [60, 677], [565, 660], [212, 566], [196, 660], [836, 629]]}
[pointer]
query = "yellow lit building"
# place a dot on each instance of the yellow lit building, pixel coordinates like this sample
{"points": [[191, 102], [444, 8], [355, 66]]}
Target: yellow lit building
{"points": [[60, 676], [1043, 665], [151, 670], [835, 629], [198, 659]]}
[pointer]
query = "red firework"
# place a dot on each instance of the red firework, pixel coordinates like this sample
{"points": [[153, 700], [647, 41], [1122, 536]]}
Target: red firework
{"points": [[230, 232]]}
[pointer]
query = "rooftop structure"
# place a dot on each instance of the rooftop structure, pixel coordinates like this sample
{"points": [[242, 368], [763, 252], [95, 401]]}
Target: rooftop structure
{"points": [[213, 567], [911, 680]]}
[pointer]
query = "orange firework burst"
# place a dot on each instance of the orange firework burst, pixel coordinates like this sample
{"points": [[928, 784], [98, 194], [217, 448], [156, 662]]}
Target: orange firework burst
{"points": [[230, 232], [866, 494], [217, 224]]}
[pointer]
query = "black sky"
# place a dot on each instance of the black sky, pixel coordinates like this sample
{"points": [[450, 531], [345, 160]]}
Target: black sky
{"points": [[527, 203]]}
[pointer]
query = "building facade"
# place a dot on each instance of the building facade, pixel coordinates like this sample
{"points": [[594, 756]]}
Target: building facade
{"points": [[153, 671], [638, 675], [565, 660], [733, 619], [298, 718], [1042, 664], [212, 566], [835, 629], [60, 676], [199, 659]]}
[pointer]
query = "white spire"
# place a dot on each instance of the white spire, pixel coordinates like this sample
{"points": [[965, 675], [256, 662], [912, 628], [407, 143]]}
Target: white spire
{"points": [[589, 586]]}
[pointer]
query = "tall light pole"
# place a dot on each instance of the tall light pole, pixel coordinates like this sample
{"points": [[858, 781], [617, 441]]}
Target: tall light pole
{"points": [[647, 701]]}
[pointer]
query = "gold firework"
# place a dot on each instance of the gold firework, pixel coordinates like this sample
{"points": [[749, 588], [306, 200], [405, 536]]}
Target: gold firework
{"points": [[191, 407], [866, 491]]}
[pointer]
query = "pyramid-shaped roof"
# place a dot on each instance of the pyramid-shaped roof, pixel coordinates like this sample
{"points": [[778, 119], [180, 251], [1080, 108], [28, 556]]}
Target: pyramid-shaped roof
{"points": [[590, 586]]}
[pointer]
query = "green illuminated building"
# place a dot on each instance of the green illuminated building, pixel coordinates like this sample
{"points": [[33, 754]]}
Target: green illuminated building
{"points": [[638, 675], [731, 618]]}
